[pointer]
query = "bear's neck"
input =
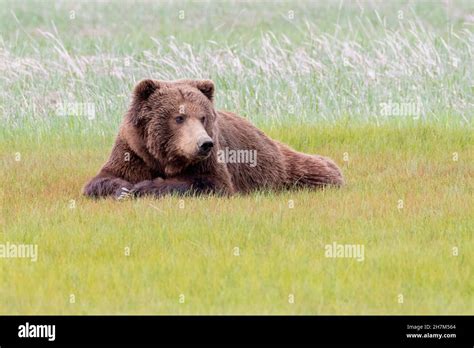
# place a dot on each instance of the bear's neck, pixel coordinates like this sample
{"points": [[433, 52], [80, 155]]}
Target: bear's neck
{"points": [[135, 142]]}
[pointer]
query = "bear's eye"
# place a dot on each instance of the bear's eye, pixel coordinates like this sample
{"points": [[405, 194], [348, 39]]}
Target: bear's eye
{"points": [[203, 119], [179, 119]]}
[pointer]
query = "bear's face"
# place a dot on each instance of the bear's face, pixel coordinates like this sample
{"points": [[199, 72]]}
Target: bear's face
{"points": [[176, 120]]}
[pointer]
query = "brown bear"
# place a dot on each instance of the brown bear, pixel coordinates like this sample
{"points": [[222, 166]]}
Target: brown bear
{"points": [[173, 141]]}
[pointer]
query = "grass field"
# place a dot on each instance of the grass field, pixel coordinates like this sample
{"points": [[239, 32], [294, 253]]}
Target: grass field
{"points": [[386, 90]]}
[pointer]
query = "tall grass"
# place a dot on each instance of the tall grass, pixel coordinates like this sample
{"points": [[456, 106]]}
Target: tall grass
{"points": [[290, 63]]}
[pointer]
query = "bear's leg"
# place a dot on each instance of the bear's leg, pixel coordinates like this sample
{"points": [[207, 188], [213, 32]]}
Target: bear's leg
{"points": [[101, 186], [181, 186], [312, 171]]}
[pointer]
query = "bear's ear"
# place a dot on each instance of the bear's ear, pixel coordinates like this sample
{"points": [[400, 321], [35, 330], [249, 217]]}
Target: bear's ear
{"points": [[141, 93], [144, 89], [205, 86]]}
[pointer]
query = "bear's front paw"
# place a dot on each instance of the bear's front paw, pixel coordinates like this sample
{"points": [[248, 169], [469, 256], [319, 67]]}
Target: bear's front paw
{"points": [[144, 188], [123, 193]]}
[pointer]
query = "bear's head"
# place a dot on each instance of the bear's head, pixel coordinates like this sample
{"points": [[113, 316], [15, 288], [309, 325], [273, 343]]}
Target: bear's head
{"points": [[176, 121]]}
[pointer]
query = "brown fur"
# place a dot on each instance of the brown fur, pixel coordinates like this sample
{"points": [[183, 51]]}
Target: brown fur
{"points": [[157, 149]]}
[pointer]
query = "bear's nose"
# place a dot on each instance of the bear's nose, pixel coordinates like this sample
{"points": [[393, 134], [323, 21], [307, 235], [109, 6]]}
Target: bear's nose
{"points": [[205, 145]]}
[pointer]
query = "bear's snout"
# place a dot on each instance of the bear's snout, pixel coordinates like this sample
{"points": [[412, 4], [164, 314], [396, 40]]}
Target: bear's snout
{"points": [[204, 145]]}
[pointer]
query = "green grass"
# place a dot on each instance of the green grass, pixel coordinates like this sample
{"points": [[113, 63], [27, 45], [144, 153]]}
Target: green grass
{"points": [[190, 250], [317, 83]]}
